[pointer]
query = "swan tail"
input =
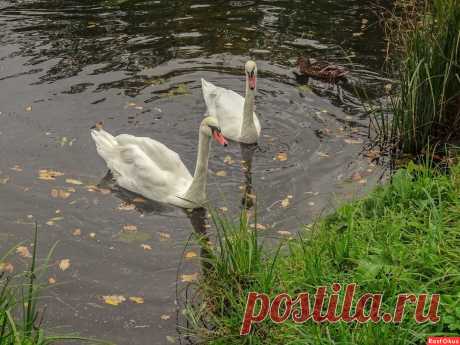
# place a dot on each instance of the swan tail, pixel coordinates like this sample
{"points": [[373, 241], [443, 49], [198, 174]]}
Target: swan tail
{"points": [[106, 143]]}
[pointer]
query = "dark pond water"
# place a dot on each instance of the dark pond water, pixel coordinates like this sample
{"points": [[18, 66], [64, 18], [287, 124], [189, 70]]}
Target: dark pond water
{"points": [[136, 66]]}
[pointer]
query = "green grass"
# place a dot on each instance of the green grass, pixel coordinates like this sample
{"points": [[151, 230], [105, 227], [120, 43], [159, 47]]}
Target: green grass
{"points": [[404, 237], [20, 316], [426, 107]]}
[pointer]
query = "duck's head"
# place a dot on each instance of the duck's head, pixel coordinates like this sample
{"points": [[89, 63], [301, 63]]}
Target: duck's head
{"points": [[251, 74], [210, 127]]}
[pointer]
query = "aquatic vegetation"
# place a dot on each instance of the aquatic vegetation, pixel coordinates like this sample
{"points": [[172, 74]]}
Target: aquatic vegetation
{"points": [[402, 238], [426, 106]]}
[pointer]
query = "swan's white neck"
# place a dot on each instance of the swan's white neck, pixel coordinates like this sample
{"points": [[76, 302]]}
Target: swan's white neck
{"points": [[248, 127], [196, 193]]}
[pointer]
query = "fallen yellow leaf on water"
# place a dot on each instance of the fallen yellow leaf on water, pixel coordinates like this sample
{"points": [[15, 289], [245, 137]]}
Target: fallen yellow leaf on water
{"points": [[76, 232], [258, 226], [59, 193], [286, 201], [356, 176], [146, 247], [51, 280], [164, 236], [284, 232], [16, 168], [129, 227], [114, 299], [362, 181], [189, 278], [23, 251], [229, 160], [223, 209], [6, 267], [92, 235], [139, 200], [53, 221], [323, 154], [29, 108], [49, 175], [221, 173], [281, 156], [64, 264], [190, 255], [165, 317], [73, 181], [4, 180], [353, 141], [170, 339], [138, 300]]}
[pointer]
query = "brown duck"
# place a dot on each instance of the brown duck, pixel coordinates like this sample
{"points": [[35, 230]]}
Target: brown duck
{"points": [[321, 70]]}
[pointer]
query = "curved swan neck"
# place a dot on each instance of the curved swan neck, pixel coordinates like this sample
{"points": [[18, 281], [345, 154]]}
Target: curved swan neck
{"points": [[197, 191], [248, 126]]}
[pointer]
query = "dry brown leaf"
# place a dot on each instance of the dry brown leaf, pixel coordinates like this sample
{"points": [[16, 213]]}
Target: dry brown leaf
{"points": [[223, 209], [64, 264], [281, 156], [6, 267], [53, 220], [284, 233], [76, 232], [92, 235], [51, 280], [4, 180], [189, 278], [221, 173], [258, 226], [114, 299], [190, 255], [16, 168], [146, 247], [137, 300], [28, 108], [323, 154], [353, 141], [164, 236], [229, 160], [139, 200], [49, 175], [362, 181], [286, 201], [129, 228], [356, 176], [73, 181], [165, 317], [23, 251]]}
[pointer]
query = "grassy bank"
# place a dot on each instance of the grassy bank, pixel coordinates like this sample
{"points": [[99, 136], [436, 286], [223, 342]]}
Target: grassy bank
{"points": [[402, 238], [425, 39]]}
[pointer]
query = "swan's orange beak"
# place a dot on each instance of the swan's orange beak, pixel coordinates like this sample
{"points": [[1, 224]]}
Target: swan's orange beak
{"points": [[219, 138], [252, 81]]}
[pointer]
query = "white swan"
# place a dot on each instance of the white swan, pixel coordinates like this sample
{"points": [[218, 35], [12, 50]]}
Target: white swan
{"points": [[235, 114], [147, 167]]}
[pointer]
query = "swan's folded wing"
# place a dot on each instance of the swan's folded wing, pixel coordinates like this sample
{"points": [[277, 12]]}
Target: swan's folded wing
{"points": [[163, 157]]}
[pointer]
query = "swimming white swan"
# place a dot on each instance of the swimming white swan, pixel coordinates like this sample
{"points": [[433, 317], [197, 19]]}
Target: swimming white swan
{"points": [[147, 167], [235, 114]]}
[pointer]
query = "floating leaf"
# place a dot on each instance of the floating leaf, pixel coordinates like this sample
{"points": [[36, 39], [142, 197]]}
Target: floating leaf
{"points": [[130, 228], [189, 278], [146, 247], [164, 236], [138, 300], [28, 108], [223, 209], [4, 180], [190, 255], [353, 141], [284, 233], [64, 264], [356, 176], [23, 251], [114, 299], [76, 232], [286, 201], [258, 226], [51, 280], [229, 160], [16, 168], [139, 200], [92, 235], [311, 203], [73, 181], [6, 267], [221, 173], [53, 220], [362, 181], [170, 339], [323, 154], [281, 156], [60, 193], [165, 317], [49, 175]]}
